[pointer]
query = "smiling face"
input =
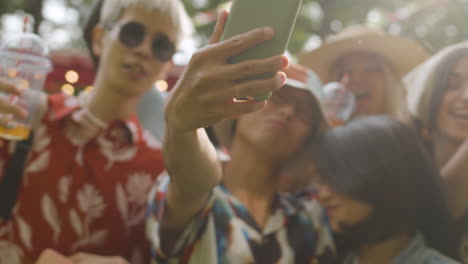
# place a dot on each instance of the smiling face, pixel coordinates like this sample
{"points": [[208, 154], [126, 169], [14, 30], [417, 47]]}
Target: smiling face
{"points": [[452, 117], [281, 128], [364, 76], [132, 70]]}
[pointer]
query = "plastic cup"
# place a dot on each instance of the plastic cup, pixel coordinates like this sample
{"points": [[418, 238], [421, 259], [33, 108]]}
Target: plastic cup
{"points": [[23, 61], [339, 103]]}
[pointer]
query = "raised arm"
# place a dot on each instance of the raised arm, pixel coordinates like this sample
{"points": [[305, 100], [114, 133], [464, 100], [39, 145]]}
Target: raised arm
{"points": [[202, 97]]}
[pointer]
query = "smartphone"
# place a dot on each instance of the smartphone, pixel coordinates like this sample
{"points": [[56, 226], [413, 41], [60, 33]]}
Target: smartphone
{"points": [[246, 15]]}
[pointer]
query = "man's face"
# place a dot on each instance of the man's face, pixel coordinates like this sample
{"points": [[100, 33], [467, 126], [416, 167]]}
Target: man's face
{"points": [[133, 69], [281, 128], [363, 75]]}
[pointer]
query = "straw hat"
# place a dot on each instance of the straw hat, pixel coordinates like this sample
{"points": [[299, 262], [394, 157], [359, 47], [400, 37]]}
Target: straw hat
{"points": [[299, 77], [402, 54]]}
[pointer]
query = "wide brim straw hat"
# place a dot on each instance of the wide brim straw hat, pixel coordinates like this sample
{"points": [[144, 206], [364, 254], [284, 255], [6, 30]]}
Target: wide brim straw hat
{"points": [[402, 54], [421, 85], [299, 77]]}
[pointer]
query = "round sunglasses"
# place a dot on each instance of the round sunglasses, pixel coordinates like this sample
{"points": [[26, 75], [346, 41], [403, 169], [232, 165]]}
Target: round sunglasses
{"points": [[132, 34]]}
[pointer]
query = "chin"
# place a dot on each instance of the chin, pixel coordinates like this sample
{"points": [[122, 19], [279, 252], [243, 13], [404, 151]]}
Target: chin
{"points": [[455, 133]]}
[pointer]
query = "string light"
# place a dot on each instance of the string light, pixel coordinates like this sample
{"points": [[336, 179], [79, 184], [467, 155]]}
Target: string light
{"points": [[12, 73], [68, 89], [88, 89], [72, 76], [162, 85]]}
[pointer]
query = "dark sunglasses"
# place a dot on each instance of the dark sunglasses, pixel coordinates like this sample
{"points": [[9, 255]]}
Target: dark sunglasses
{"points": [[132, 34]]}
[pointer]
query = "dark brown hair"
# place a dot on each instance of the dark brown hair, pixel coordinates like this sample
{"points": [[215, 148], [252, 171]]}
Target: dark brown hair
{"points": [[88, 27], [382, 162]]}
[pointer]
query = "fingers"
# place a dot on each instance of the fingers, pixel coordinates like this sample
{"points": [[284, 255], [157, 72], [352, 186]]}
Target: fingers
{"points": [[84, 258], [242, 42], [219, 28], [7, 107], [9, 87], [252, 68], [256, 88], [6, 120], [50, 256]]}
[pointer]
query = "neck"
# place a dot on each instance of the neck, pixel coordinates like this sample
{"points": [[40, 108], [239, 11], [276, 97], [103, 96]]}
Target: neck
{"points": [[108, 105], [252, 178], [444, 148], [383, 252]]}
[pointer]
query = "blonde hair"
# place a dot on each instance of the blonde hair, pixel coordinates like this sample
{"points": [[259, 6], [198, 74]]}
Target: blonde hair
{"points": [[395, 95], [395, 92], [174, 9]]}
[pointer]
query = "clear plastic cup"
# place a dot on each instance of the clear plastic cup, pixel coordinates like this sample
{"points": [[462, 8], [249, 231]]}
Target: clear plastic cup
{"points": [[24, 61], [338, 102]]}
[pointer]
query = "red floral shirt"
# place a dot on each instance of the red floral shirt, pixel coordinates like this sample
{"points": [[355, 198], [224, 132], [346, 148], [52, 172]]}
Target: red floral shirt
{"points": [[84, 188]]}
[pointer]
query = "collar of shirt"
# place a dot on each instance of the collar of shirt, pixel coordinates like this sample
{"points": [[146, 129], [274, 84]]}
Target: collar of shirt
{"points": [[282, 207], [88, 127], [412, 252]]}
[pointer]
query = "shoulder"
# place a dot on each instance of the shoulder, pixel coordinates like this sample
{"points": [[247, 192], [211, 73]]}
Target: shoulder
{"points": [[432, 256]]}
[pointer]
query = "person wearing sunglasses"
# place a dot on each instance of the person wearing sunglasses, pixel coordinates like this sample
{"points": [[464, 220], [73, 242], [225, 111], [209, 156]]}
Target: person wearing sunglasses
{"points": [[85, 182], [150, 110]]}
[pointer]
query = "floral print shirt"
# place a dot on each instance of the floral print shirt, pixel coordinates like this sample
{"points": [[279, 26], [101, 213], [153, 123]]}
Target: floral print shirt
{"points": [[84, 188], [224, 231]]}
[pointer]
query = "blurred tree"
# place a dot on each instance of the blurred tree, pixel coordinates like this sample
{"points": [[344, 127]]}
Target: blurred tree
{"points": [[434, 23]]}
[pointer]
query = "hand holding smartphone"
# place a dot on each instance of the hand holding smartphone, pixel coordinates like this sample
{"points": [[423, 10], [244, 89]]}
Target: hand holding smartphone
{"points": [[246, 15]]}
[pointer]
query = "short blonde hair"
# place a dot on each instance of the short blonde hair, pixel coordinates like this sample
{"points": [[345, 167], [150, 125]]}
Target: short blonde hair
{"points": [[174, 9]]}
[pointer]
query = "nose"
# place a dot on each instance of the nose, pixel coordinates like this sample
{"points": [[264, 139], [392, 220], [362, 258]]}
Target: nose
{"points": [[351, 77], [144, 49], [287, 110]]}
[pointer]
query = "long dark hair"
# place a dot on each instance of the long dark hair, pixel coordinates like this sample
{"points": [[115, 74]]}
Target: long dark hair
{"points": [[440, 79], [382, 162]]}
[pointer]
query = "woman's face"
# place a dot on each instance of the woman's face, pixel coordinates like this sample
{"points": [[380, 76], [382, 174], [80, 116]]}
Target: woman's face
{"points": [[452, 118], [364, 76], [342, 210], [282, 126]]}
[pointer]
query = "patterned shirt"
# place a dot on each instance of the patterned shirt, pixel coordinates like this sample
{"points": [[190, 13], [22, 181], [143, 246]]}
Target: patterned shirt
{"points": [[224, 231], [460, 228], [416, 252], [84, 188]]}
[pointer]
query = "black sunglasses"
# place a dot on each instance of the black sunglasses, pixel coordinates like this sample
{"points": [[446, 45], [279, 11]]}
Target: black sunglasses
{"points": [[132, 34]]}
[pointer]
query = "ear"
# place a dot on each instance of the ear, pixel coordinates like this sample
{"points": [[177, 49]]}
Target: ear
{"points": [[98, 38]]}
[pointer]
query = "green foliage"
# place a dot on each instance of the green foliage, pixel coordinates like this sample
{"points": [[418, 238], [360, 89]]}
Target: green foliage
{"points": [[434, 23]]}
